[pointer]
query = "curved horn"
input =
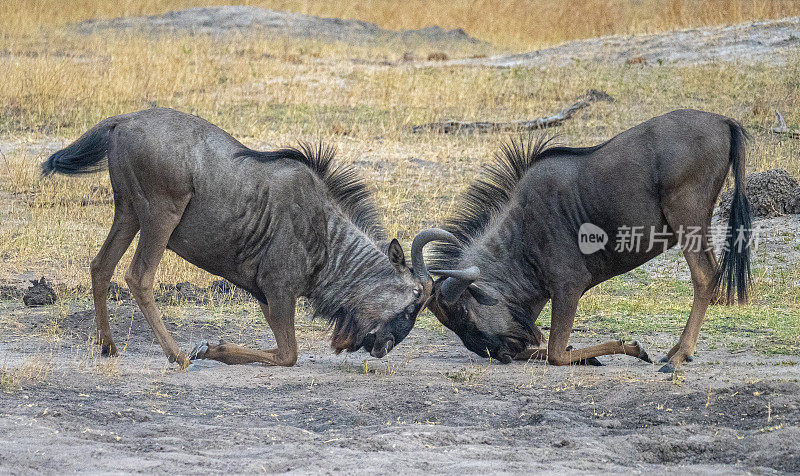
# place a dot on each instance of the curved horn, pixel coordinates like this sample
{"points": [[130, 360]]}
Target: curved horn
{"points": [[457, 282], [468, 274], [423, 238]]}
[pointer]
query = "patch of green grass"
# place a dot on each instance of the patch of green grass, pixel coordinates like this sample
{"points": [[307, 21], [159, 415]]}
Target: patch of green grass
{"points": [[770, 324]]}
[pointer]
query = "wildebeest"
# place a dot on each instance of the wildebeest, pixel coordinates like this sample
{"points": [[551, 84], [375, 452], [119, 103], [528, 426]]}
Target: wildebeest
{"points": [[519, 229], [280, 224]]}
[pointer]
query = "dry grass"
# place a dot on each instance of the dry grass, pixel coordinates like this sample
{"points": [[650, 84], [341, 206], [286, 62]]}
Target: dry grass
{"points": [[514, 23], [54, 226], [56, 85], [30, 372]]}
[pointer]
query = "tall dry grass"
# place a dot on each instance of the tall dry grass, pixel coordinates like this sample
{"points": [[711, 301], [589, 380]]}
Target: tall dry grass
{"points": [[512, 24], [55, 226]]}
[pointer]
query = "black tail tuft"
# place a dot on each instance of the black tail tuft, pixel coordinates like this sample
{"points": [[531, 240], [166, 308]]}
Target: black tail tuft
{"points": [[84, 156], [733, 276]]}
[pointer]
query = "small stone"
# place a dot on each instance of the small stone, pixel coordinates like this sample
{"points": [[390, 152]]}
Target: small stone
{"points": [[118, 293]]}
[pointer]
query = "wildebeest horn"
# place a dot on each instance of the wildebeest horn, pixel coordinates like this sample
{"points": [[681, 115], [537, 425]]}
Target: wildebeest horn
{"points": [[458, 280], [423, 238], [468, 274]]}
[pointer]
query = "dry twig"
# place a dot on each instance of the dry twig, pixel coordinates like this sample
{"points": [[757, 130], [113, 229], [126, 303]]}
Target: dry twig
{"points": [[449, 127], [782, 128]]}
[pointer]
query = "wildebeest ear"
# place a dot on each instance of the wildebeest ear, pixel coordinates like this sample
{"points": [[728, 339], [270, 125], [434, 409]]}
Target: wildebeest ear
{"points": [[482, 296], [396, 255]]}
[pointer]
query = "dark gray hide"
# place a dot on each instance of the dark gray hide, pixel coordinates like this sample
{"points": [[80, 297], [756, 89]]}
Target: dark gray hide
{"points": [[520, 228], [280, 224]]}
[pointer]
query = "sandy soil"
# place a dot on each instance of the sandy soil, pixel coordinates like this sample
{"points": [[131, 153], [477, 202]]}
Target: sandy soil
{"points": [[249, 20], [430, 407], [770, 42]]}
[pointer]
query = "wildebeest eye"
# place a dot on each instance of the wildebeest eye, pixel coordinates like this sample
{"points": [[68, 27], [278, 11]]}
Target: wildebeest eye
{"points": [[417, 292]]}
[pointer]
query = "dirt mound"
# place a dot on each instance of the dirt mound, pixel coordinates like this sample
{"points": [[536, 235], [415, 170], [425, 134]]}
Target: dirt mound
{"points": [[770, 41], [39, 294], [771, 193], [261, 21]]}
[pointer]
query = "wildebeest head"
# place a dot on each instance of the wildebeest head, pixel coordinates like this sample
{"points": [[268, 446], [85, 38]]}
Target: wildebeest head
{"points": [[388, 311], [488, 326]]}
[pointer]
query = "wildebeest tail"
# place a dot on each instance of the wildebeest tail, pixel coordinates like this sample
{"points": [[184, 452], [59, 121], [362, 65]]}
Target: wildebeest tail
{"points": [[86, 155], [733, 276]]}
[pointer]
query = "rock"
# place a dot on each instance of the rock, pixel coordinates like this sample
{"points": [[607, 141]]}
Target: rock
{"points": [[118, 293], [39, 294], [771, 193]]}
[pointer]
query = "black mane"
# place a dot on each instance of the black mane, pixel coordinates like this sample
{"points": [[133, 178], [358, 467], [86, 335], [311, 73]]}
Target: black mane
{"points": [[492, 190], [345, 186]]}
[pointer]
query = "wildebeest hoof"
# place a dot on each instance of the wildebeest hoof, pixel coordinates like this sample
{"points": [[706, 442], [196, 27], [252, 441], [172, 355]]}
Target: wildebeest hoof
{"points": [[199, 351], [668, 368], [109, 350], [664, 359]]}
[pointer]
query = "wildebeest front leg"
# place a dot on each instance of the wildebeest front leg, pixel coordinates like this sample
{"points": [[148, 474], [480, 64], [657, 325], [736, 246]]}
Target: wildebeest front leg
{"points": [[565, 305], [280, 317], [156, 227], [539, 338]]}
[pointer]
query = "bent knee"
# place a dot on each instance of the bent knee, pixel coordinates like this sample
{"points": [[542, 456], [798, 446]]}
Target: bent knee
{"points": [[287, 360], [97, 272], [558, 359], [137, 284]]}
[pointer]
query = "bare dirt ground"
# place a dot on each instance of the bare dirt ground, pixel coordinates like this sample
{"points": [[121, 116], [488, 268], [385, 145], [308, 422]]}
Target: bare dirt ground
{"points": [[249, 20], [430, 407], [770, 42]]}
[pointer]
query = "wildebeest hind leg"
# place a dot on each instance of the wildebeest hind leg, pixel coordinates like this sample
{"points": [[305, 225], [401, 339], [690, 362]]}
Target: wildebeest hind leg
{"points": [[102, 267], [281, 321], [702, 266], [702, 270], [162, 218]]}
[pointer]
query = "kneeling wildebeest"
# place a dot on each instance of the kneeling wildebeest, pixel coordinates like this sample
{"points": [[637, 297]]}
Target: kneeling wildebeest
{"points": [[519, 234], [279, 224]]}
